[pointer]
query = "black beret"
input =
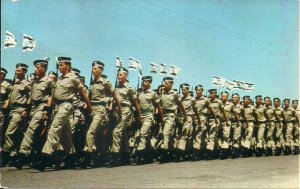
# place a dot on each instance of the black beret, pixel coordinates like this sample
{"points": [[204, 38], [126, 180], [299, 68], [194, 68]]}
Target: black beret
{"points": [[81, 77], [22, 65], [295, 101], [198, 87], [246, 97], [98, 63], [224, 92], [258, 96], [44, 62], [287, 99], [3, 70], [276, 99], [267, 97], [52, 73], [212, 90], [168, 79], [147, 78], [185, 85], [235, 94], [123, 70], [64, 59], [104, 76]]}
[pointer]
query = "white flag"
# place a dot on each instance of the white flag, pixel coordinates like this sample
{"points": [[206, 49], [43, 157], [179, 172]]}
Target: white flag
{"points": [[229, 85], [135, 65], [218, 81], [47, 58], [163, 69], [28, 43], [241, 85], [174, 70], [235, 84], [154, 68], [10, 41], [119, 63], [249, 86]]}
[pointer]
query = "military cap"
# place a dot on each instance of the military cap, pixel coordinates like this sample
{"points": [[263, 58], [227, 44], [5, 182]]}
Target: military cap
{"points": [[24, 66], [295, 101], [191, 93], [3, 70], [287, 99], [64, 59], [267, 97], [212, 90], [276, 99], [75, 71], [198, 87], [155, 90], [104, 76], [168, 79], [123, 70], [81, 77], [185, 85], [235, 94], [225, 92], [98, 64], [175, 90], [147, 78], [246, 97], [44, 62], [258, 96], [52, 73]]}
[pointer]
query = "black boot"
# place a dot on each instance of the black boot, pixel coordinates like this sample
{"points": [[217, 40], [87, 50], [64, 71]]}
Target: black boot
{"points": [[162, 156], [196, 155], [278, 151], [21, 160], [258, 152], [140, 157], [45, 161], [269, 152], [296, 150], [85, 160], [235, 153], [4, 158], [70, 162], [287, 150], [114, 160], [209, 154]]}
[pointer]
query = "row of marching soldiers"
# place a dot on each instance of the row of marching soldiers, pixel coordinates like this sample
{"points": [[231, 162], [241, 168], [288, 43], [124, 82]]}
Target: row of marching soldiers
{"points": [[56, 121]]}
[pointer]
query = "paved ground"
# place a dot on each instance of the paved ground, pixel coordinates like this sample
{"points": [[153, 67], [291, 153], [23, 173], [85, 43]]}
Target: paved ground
{"points": [[263, 172]]}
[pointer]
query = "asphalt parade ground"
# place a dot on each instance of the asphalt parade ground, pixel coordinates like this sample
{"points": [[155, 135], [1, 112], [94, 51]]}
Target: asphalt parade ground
{"points": [[263, 172]]}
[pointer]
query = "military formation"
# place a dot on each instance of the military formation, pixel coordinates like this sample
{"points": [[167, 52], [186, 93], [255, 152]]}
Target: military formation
{"points": [[58, 122]]}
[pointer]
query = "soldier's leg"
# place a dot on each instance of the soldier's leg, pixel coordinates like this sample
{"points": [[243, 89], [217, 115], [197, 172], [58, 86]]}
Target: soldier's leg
{"points": [[260, 139], [236, 139], [296, 138], [246, 144], [213, 127], [225, 142], [198, 141], [288, 138], [144, 138], [269, 138], [279, 140], [185, 134]]}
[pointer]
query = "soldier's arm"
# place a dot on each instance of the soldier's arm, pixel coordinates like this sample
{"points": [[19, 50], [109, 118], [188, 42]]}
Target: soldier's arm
{"points": [[267, 116], [85, 98], [117, 102], [224, 114], [182, 109], [197, 115], [138, 110], [244, 116], [236, 116]]}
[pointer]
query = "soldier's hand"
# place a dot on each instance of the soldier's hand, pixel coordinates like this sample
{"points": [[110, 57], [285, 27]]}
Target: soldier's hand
{"points": [[45, 115], [139, 120], [1, 115], [23, 114]]}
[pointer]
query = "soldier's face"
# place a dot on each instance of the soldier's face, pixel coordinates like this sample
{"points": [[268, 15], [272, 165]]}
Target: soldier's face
{"points": [[286, 103], [146, 84], [224, 97], [52, 77], [97, 71], [277, 103], [2, 76], [199, 92], [63, 67], [235, 99], [295, 105], [122, 77], [185, 91], [258, 101], [39, 70], [167, 85], [267, 102], [20, 73], [246, 102], [213, 95]]}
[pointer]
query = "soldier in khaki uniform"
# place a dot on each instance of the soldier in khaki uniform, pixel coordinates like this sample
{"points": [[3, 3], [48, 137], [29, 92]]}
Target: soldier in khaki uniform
{"points": [[213, 124], [169, 101], [40, 99], [127, 97], [278, 114], [248, 113], [53, 76], [18, 103], [261, 119], [101, 91], [186, 130], [149, 102], [60, 130], [289, 115], [236, 126], [6, 88], [225, 118], [270, 126], [296, 128], [202, 106]]}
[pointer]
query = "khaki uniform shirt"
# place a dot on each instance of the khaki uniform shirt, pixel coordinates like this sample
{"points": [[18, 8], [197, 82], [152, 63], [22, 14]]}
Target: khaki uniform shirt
{"points": [[67, 87], [237, 108], [6, 88], [228, 109], [188, 103], [279, 113], [20, 93], [215, 105], [169, 100], [201, 105], [289, 114], [270, 112], [249, 112], [125, 94], [100, 91], [147, 100], [41, 89], [260, 113]]}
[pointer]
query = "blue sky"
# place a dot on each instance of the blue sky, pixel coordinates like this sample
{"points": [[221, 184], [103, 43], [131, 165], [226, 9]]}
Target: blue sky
{"points": [[251, 40]]}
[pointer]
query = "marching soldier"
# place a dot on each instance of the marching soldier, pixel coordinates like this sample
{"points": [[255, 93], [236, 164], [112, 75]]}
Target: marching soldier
{"points": [[289, 117], [261, 119], [65, 89], [169, 101], [279, 117], [186, 130], [149, 102], [213, 124], [225, 118], [270, 125], [236, 126], [6, 88], [127, 97], [18, 103], [202, 106], [40, 99], [296, 128], [247, 113], [101, 91]]}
